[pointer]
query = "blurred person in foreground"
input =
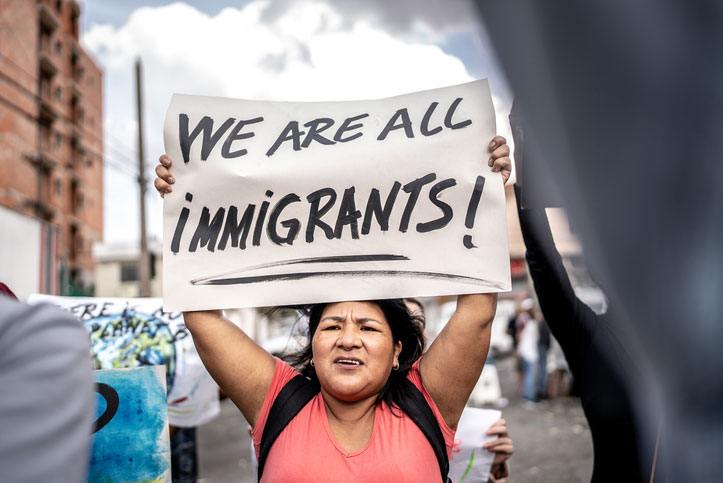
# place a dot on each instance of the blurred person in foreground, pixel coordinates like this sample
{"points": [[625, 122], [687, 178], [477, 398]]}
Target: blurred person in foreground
{"points": [[597, 359], [47, 403], [503, 446]]}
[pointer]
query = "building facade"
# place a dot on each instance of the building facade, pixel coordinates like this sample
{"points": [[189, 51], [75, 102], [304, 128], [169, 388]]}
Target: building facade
{"points": [[116, 269], [51, 138]]}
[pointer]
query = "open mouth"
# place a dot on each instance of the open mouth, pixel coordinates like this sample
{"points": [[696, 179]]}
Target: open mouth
{"points": [[348, 362]]}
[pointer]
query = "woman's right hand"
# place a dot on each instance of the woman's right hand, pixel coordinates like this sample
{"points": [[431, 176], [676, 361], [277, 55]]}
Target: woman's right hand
{"points": [[164, 180]]}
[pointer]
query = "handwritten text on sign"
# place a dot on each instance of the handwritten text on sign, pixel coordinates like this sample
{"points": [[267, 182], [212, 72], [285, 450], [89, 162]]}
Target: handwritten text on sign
{"points": [[279, 203]]}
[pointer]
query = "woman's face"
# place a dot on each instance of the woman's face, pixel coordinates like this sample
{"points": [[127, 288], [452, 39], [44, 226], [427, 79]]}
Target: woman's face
{"points": [[354, 351]]}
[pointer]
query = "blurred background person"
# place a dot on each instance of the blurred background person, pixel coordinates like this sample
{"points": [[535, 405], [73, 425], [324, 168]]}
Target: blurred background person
{"points": [[528, 336], [543, 346]]}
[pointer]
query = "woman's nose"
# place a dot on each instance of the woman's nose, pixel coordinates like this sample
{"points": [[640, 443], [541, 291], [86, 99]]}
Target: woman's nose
{"points": [[349, 336]]}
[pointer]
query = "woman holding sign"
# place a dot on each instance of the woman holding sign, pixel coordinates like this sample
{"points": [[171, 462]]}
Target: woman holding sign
{"points": [[377, 410]]}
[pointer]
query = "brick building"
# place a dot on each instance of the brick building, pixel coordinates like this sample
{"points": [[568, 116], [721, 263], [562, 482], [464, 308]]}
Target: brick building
{"points": [[51, 144]]}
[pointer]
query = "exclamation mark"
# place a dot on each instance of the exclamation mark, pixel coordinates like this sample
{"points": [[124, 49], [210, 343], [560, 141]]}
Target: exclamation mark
{"points": [[472, 210]]}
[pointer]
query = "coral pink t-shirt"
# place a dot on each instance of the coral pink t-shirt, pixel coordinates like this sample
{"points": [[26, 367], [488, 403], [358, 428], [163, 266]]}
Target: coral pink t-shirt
{"points": [[307, 451]]}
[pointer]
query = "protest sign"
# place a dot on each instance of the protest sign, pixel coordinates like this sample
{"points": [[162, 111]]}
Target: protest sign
{"points": [[130, 433], [470, 463], [126, 333], [279, 202]]}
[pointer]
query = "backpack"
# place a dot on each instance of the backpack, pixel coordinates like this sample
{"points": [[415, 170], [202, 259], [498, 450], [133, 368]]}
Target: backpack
{"points": [[300, 390]]}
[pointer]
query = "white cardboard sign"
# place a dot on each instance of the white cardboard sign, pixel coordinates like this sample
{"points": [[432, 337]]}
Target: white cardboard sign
{"points": [[279, 203]]}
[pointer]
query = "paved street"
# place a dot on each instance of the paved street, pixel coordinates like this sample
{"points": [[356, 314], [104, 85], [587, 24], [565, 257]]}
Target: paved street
{"points": [[552, 440]]}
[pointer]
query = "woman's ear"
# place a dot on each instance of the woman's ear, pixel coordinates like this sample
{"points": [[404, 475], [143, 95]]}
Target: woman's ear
{"points": [[397, 351]]}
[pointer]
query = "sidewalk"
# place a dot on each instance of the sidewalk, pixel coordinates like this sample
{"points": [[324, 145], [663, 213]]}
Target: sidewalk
{"points": [[552, 438]]}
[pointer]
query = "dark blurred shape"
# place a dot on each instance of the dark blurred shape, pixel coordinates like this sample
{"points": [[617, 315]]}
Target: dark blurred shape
{"points": [[184, 456], [541, 190], [624, 103]]}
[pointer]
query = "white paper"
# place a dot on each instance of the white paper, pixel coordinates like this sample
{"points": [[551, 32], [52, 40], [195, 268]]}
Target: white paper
{"points": [[470, 463], [127, 333], [289, 259]]}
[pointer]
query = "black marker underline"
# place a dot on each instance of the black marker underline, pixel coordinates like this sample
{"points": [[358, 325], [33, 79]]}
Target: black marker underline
{"points": [[285, 277], [380, 257]]}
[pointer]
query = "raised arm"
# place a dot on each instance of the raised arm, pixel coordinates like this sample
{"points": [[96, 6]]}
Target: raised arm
{"points": [[570, 320], [241, 367], [452, 365]]}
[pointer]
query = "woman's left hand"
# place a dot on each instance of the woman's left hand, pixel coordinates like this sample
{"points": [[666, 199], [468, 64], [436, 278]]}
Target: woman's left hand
{"points": [[499, 159], [502, 447]]}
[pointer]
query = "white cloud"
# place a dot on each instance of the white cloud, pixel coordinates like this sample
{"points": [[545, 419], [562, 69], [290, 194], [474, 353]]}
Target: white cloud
{"points": [[309, 51]]}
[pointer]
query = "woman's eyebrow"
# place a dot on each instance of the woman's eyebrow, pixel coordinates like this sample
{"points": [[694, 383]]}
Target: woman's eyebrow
{"points": [[367, 319], [335, 318]]}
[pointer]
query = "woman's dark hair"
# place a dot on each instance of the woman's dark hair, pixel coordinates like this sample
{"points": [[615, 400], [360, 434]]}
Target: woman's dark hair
{"points": [[405, 328]]}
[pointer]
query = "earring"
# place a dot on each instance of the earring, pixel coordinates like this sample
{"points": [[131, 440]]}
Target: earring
{"points": [[395, 366], [312, 362]]}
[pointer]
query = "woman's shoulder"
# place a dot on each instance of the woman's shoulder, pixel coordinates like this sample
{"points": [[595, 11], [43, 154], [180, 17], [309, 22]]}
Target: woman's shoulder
{"points": [[283, 373], [415, 377]]}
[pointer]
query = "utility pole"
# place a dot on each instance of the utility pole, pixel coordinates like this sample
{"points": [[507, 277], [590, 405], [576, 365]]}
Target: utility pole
{"points": [[144, 275]]}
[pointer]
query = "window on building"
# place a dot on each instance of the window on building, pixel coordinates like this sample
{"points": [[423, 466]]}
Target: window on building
{"points": [[44, 87], [74, 23], [59, 94], [59, 48], [58, 187], [45, 35], [81, 114], [45, 136], [59, 5], [58, 141], [129, 272]]}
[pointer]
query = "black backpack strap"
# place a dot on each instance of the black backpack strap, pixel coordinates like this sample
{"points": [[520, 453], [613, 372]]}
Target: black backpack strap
{"points": [[291, 399], [424, 418]]}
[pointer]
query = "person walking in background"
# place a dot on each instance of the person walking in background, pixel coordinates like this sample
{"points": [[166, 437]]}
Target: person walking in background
{"points": [[559, 371], [528, 336], [543, 346], [512, 332]]}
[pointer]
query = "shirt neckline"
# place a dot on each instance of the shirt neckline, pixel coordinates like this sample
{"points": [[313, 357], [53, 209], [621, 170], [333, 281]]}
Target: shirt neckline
{"points": [[330, 434]]}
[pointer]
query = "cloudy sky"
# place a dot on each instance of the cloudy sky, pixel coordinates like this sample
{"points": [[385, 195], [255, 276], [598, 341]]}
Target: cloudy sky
{"points": [[293, 50]]}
